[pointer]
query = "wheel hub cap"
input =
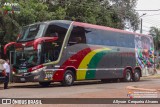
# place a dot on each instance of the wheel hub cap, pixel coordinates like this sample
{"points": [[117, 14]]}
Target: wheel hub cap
{"points": [[69, 78]]}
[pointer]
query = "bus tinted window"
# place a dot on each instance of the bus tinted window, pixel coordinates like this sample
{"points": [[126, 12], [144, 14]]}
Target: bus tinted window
{"points": [[108, 38], [31, 32], [125, 40], [51, 50], [77, 36], [57, 29]]}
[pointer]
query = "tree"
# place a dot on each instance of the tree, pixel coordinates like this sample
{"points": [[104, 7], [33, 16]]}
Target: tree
{"points": [[110, 13], [31, 11], [155, 32], [125, 10]]}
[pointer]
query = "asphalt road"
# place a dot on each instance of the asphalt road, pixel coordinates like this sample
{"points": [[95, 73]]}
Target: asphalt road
{"points": [[87, 89]]}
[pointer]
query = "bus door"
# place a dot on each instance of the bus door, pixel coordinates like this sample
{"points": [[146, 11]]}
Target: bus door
{"points": [[51, 50]]}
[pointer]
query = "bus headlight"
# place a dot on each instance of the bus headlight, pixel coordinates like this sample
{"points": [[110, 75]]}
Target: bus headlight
{"points": [[13, 73]]}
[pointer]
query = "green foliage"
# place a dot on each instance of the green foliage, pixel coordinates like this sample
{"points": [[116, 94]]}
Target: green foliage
{"points": [[32, 11], [125, 10], [110, 13], [84, 11], [155, 32]]}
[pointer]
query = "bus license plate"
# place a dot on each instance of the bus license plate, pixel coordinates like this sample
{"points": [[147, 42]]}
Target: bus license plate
{"points": [[49, 75], [22, 71], [22, 79]]}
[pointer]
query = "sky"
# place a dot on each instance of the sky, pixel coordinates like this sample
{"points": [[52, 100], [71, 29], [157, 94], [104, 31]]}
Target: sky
{"points": [[152, 18]]}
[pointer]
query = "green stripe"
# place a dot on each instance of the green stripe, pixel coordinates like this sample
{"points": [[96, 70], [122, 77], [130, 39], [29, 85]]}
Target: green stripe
{"points": [[91, 74]]}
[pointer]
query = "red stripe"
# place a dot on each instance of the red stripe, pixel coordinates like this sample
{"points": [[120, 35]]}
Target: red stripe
{"points": [[73, 61]]}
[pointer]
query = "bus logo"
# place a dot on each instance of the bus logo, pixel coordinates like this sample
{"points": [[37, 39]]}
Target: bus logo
{"points": [[6, 101]]}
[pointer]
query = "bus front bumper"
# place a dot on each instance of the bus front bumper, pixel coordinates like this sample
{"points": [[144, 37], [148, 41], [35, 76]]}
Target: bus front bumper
{"points": [[29, 77]]}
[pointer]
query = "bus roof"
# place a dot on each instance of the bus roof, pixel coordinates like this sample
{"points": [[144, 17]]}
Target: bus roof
{"points": [[106, 28], [53, 21], [90, 26]]}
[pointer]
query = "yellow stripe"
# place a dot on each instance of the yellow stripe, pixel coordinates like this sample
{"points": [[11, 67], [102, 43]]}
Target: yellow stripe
{"points": [[83, 65]]}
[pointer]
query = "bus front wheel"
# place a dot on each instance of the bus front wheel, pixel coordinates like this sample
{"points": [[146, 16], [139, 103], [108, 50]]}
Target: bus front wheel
{"points": [[44, 84], [68, 79], [128, 76]]}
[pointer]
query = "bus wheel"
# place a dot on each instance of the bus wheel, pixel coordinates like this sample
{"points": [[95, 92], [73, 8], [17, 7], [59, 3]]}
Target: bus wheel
{"points": [[136, 75], [68, 79], [45, 84], [128, 76]]}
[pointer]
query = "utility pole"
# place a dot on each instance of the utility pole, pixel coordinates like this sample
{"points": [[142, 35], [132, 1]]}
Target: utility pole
{"points": [[141, 30]]}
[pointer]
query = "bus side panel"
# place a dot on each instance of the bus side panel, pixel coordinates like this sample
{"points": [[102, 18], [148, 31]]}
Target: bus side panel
{"points": [[83, 58], [128, 57], [96, 62], [72, 57], [113, 63], [112, 67]]}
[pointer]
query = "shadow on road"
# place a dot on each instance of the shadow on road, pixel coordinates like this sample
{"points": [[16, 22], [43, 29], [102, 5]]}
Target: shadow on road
{"points": [[36, 85], [76, 84]]}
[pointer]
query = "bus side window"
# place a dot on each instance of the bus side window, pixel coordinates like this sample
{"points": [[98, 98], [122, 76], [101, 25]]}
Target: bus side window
{"points": [[50, 30], [77, 36], [52, 50]]}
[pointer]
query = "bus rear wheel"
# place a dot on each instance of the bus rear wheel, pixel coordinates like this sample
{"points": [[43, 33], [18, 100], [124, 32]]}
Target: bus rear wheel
{"points": [[136, 75], [44, 84], [68, 78], [128, 76]]}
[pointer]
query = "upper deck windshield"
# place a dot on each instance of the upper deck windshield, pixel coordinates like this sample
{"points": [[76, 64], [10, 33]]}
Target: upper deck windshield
{"points": [[48, 51], [31, 32]]}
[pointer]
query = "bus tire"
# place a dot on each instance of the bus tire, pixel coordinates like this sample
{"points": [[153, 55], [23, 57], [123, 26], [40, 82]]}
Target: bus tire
{"points": [[136, 75], [68, 78], [128, 76], [44, 84]]}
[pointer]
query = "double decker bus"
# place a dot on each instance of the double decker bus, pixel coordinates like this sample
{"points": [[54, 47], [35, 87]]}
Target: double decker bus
{"points": [[67, 51]]}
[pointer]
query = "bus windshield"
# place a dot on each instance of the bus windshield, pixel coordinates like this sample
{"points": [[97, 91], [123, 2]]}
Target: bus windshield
{"points": [[27, 58], [31, 32]]}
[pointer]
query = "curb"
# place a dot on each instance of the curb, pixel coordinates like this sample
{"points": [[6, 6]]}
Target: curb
{"points": [[141, 89]]}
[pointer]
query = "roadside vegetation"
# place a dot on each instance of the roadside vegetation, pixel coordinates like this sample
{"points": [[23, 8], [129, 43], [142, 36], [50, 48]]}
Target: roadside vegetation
{"points": [[110, 13], [119, 14]]}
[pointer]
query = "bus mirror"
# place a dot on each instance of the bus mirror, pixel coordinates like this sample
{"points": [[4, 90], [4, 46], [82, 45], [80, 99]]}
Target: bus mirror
{"points": [[43, 39], [7, 45]]}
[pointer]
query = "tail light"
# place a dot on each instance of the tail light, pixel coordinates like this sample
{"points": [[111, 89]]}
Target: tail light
{"points": [[3, 73], [14, 70]]}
